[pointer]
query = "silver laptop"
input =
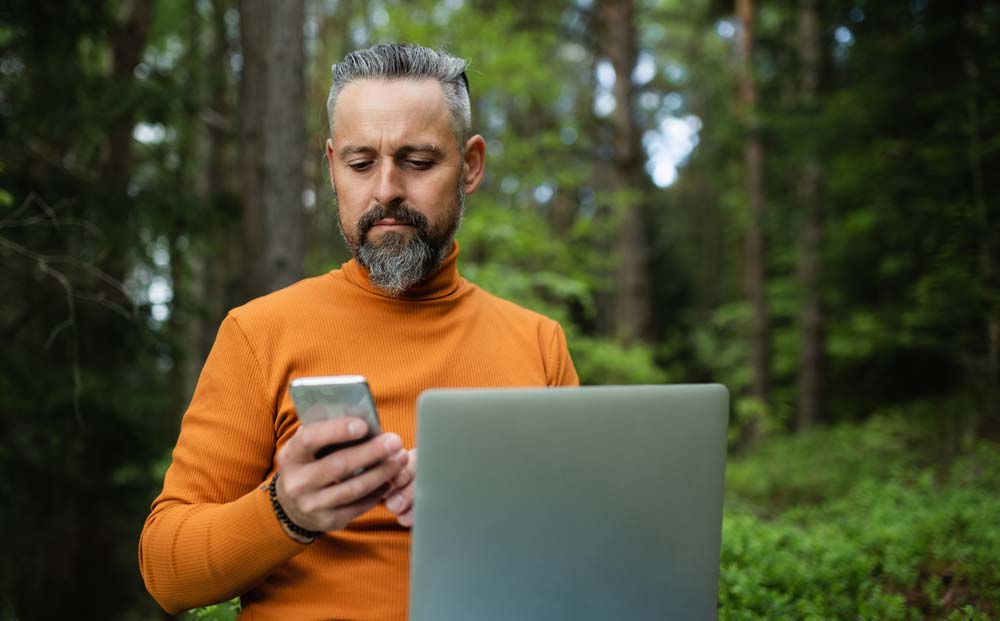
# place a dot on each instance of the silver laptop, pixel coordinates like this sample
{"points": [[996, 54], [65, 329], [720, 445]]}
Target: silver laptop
{"points": [[569, 503]]}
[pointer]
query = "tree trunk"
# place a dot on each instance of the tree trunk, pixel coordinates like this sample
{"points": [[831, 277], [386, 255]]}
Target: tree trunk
{"points": [[127, 44], [989, 424], [756, 243], [810, 267], [272, 143], [204, 265], [632, 307], [223, 276]]}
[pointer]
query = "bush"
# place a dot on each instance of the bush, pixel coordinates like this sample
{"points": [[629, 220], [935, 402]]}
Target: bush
{"points": [[851, 523], [226, 611]]}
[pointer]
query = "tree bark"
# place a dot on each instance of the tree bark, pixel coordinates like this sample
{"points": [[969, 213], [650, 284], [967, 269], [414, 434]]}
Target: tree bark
{"points": [[810, 266], [756, 242], [127, 44], [990, 421], [222, 283], [272, 143], [206, 264], [632, 307], [128, 41]]}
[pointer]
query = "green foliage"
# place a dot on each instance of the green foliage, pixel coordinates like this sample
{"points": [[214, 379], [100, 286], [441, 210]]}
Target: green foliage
{"points": [[721, 347], [854, 522], [226, 611], [782, 572], [605, 361], [789, 471], [509, 252]]}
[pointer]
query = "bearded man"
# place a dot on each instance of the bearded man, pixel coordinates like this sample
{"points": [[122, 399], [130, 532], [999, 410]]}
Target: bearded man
{"points": [[331, 545]]}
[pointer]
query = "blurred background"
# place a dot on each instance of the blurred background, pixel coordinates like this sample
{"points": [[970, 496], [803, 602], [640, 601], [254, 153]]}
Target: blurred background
{"points": [[799, 200]]}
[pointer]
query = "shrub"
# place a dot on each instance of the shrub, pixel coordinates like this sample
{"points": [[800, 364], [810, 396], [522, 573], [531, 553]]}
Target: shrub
{"points": [[851, 523]]}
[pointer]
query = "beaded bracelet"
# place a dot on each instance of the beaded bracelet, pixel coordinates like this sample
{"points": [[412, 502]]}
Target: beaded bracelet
{"points": [[272, 491]]}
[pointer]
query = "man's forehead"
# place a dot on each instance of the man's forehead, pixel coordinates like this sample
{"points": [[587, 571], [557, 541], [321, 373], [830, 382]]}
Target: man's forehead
{"points": [[390, 114], [392, 99]]}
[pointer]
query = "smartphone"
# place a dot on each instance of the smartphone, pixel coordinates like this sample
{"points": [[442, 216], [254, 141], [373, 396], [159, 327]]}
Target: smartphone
{"points": [[323, 398]]}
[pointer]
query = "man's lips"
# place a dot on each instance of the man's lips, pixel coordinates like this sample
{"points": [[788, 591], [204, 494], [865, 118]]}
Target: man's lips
{"points": [[390, 222]]}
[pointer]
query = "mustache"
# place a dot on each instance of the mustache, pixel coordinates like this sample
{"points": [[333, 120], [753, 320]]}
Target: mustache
{"points": [[400, 212]]}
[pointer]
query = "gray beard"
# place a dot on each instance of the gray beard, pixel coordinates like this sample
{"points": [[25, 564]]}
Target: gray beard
{"points": [[397, 264], [400, 262]]}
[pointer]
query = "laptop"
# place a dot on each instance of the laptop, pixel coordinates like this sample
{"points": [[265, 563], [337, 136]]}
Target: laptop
{"points": [[569, 503]]}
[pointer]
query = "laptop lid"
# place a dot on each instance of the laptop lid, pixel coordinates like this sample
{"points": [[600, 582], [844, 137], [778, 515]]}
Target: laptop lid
{"points": [[569, 503]]}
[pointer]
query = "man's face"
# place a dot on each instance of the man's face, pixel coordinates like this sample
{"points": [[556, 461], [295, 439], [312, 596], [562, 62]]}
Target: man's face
{"points": [[399, 175]]}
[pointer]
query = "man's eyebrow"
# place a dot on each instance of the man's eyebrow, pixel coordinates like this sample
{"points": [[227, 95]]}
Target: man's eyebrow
{"points": [[354, 150], [403, 151], [433, 149]]}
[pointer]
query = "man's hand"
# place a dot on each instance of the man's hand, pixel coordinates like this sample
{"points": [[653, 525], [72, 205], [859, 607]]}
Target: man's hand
{"points": [[399, 498], [321, 494]]}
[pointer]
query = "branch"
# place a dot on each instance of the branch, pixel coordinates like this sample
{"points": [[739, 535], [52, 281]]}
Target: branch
{"points": [[45, 264], [74, 342], [46, 221], [54, 159]]}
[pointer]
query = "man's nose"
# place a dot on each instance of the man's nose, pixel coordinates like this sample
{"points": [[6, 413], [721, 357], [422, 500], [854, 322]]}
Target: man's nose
{"points": [[388, 183]]}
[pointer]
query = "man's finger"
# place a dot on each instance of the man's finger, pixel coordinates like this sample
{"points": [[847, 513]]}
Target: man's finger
{"points": [[400, 502], [372, 481], [347, 513], [403, 478], [311, 438], [316, 436], [341, 465], [406, 519], [406, 477]]}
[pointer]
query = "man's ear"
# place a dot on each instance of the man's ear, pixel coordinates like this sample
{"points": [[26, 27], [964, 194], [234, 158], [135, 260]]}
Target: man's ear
{"points": [[474, 164], [329, 161]]}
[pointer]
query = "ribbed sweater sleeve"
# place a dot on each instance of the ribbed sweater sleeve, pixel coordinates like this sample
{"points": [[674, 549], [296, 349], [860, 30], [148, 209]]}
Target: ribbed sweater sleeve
{"points": [[559, 369], [211, 534]]}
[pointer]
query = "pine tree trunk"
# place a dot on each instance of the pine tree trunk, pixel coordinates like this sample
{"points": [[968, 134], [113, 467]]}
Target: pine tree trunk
{"points": [[632, 306], [756, 242], [272, 143], [989, 423], [223, 275], [128, 42], [810, 267], [211, 260]]}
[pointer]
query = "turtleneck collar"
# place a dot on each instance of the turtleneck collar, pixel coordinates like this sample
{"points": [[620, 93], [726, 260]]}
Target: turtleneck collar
{"points": [[445, 280]]}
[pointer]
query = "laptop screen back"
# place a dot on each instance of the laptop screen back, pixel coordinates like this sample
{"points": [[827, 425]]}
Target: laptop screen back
{"points": [[569, 503]]}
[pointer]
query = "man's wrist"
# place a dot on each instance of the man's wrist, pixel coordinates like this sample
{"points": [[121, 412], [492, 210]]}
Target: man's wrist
{"points": [[293, 530]]}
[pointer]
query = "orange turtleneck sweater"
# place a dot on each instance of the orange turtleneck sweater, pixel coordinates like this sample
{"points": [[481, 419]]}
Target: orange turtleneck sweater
{"points": [[212, 535]]}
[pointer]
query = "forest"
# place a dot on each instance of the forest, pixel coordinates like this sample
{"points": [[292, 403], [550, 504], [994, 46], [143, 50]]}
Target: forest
{"points": [[799, 200]]}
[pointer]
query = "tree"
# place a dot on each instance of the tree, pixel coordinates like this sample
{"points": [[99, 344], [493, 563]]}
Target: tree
{"points": [[77, 371], [273, 144], [810, 267], [756, 242], [975, 93], [632, 307]]}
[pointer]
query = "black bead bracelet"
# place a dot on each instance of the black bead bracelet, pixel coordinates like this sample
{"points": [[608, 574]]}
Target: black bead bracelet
{"points": [[272, 490]]}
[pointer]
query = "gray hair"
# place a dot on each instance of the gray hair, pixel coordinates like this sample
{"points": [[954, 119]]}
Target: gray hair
{"points": [[405, 61]]}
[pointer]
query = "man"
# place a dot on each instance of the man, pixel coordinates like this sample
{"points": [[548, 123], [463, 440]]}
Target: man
{"points": [[246, 509]]}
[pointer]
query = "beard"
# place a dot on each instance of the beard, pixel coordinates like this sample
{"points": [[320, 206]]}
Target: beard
{"points": [[399, 261]]}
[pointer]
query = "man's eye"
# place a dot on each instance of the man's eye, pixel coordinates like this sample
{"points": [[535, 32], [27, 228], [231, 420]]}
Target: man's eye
{"points": [[420, 164], [360, 166]]}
